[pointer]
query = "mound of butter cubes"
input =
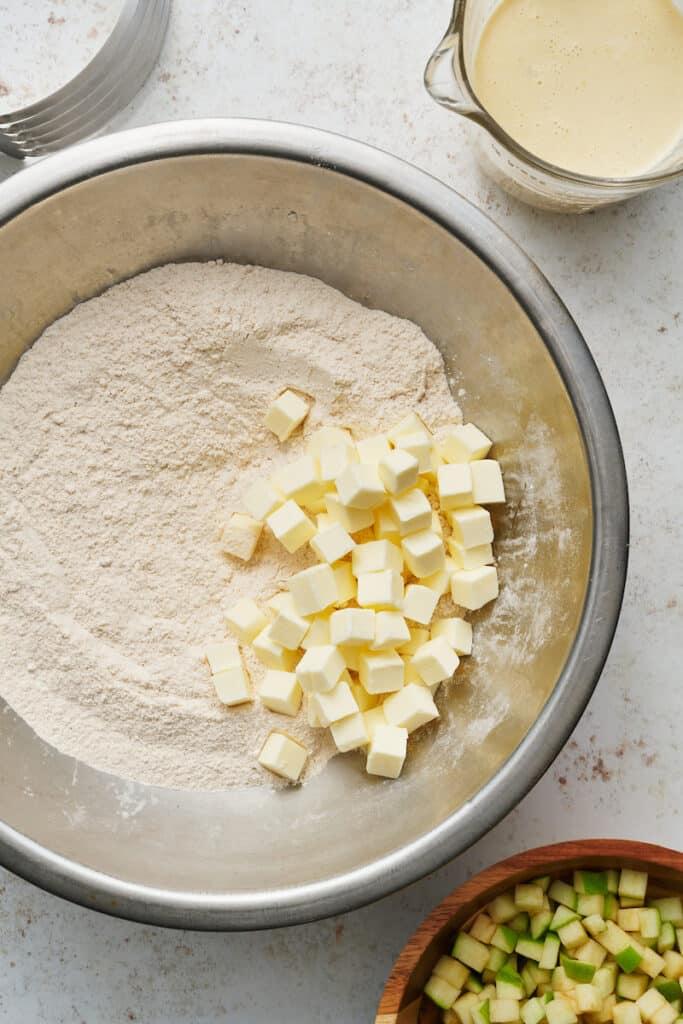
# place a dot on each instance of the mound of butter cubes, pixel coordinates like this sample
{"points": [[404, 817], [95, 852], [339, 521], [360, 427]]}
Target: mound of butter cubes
{"points": [[394, 522]]}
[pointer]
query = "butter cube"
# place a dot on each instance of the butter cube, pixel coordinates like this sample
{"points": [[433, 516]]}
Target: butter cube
{"points": [[332, 544], [372, 449], [272, 654], [334, 460], [240, 536], [380, 590], [419, 603], [312, 714], [363, 699], [386, 527], [487, 482], [373, 718], [464, 443], [455, 485], [440, 581], [471, 526], [245, 619], [328, 437], [320, 669], [336, 704], [456, 632], [350, 733], [420, 446], [352, 627], [412, 707], [313, 589], [423, 552], [473, 588], [280, 691], [345, 582], [283, 756], [418, 637], [410, 424], [285, 414], [382, 672], [324, 520], [391, 630], [291, 526], [469, 558], [435, 661], [387, 751], [222, 655], [318, 634], [352, 519], [359, 486], [232, 685], [376, 556], [411, 511], [288, 627], [261, 500], [351, 656], [411, 675], [300, 480], [398, 471]]}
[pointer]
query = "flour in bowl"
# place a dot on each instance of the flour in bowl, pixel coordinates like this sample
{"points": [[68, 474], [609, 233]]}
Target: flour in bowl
{"points": [[127, 434]]}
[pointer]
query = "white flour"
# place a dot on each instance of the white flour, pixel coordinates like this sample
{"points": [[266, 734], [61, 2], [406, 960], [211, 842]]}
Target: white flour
{"points": [[127, 434]]}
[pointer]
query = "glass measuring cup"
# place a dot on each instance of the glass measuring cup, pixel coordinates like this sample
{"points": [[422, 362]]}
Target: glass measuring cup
{"points": [[448, 81]]}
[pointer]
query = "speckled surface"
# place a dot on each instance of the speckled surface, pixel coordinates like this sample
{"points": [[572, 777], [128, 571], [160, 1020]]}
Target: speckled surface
{"points": [[356, 67]]}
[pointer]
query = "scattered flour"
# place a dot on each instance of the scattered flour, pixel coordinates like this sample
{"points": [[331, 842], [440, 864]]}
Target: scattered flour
{"points": [[127, 434]]}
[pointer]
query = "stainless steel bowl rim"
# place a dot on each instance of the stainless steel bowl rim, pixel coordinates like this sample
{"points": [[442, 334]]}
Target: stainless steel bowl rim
{"points": [[594, 636]]}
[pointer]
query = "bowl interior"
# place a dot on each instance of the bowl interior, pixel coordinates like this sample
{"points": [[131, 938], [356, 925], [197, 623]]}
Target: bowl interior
{"points": [[385, 253]]}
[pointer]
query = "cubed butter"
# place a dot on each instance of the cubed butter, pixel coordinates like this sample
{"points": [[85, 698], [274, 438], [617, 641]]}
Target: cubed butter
{"points": [[334, 460], [398, 471], [281, 692], [324, 520], [320, 669], [332, 544], [419, 603], [376, 556], [336, 704], [386, 527], [245, 619], [435, 661], [456, 632], [351, 656], [300, 480], [382, 672], [473, 588], [372, 449], [437, 525], [272, 654], [350, 733], [391, 630], [487, 482], [374, 717], [261, 500], [411, 707], [352, 627], [352, 519], [312, 713], [423, 553], [240, 536], [471, 526], [288, 627], [411, 511], [328, 437], [345, 583], [318, 634], [221, 655], [313, 589], [381, 590], [455, 485], [291, 526], [359, 486], [464, 443], [363, 699], [387, 751], [232, 685], [469, 558], [419, 445], [283, 756], [410, 424], [285, 414], [440, 581], [418, 636]]}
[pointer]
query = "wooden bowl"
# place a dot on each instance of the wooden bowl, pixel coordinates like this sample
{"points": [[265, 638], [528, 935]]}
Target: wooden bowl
{"points": [[401, 1001]]}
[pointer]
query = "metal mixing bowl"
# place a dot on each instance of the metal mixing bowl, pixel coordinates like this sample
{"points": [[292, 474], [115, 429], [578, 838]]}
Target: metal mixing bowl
{"points": [[391, 237]]}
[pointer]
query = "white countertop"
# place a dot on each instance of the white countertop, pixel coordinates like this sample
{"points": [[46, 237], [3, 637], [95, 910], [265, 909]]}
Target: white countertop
{"points": [[355, 67]]}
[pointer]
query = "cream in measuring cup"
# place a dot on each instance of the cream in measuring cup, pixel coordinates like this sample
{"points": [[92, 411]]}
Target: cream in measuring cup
{"points": [[592, 86]]}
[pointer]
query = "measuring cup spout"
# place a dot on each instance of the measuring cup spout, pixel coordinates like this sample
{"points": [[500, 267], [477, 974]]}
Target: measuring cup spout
{"points": [[444, 77]]}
